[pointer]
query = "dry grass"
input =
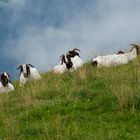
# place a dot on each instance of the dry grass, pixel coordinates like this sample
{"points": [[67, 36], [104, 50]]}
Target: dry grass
{"points": [[91, 103]]}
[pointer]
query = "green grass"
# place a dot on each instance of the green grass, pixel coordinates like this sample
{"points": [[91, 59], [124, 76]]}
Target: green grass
{"points": [[88, 104]]}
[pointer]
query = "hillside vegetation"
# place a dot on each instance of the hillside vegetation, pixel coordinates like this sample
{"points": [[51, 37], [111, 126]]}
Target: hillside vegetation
{"points": [[88, 104]]}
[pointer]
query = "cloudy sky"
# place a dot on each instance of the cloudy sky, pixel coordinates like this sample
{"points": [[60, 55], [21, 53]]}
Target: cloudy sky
{"points": [[39, 31]]}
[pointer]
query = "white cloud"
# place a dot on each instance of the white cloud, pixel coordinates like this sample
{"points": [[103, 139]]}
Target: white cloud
{"points": [[110, 26]]}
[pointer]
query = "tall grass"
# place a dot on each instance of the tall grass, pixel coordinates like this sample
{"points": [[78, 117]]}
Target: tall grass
{"points": [[91, 103]]}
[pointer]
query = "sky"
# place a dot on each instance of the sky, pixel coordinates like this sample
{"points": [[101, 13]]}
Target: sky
{"points": [[40, 31]]}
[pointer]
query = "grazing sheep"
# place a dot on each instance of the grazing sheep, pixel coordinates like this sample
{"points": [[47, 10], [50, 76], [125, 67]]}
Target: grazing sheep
{"points": [[28, 73], [115, 59], [61, 68], [5, 85]]}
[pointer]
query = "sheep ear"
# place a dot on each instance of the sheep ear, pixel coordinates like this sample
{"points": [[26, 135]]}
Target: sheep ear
{"points": [[30, 65], [19, 67], [8, 75], [62, 57]]}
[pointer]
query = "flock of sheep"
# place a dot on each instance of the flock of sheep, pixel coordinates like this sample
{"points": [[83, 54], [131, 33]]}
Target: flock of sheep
{"points": [[68, 62]]}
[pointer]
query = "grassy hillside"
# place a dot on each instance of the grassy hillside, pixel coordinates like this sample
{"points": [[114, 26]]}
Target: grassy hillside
{"points": [[89, 104]]}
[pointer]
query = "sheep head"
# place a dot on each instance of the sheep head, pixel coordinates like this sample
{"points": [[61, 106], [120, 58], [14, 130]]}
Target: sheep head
{"points": [[94, 63], [25, 68], [74, 52], [137, 46], [120, 52], [5, 78]]}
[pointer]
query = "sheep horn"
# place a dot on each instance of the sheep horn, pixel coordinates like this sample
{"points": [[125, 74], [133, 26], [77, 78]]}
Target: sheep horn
{"points": [[74, 50], [19, 67], [31, 65], [133, 44]]}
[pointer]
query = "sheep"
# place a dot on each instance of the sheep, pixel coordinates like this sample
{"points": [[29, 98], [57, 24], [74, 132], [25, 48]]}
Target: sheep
{"points": [[115, 59], [73, 60], [5, 85], [73, 63], [27, 73], [69, 62], [61, 68]]}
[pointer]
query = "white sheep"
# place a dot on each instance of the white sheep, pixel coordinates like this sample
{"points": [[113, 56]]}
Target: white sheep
{"points": [[69, 62], [5, 85], [73, 60], [61, 68], [28, 73], [115, 59], [77, 62]]}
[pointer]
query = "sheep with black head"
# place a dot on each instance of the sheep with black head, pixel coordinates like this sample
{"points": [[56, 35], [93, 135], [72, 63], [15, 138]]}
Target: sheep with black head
{"points": [[27, 73], [69, 62], [114, 59], [5, 84], [61, 67], [74, 60]]}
